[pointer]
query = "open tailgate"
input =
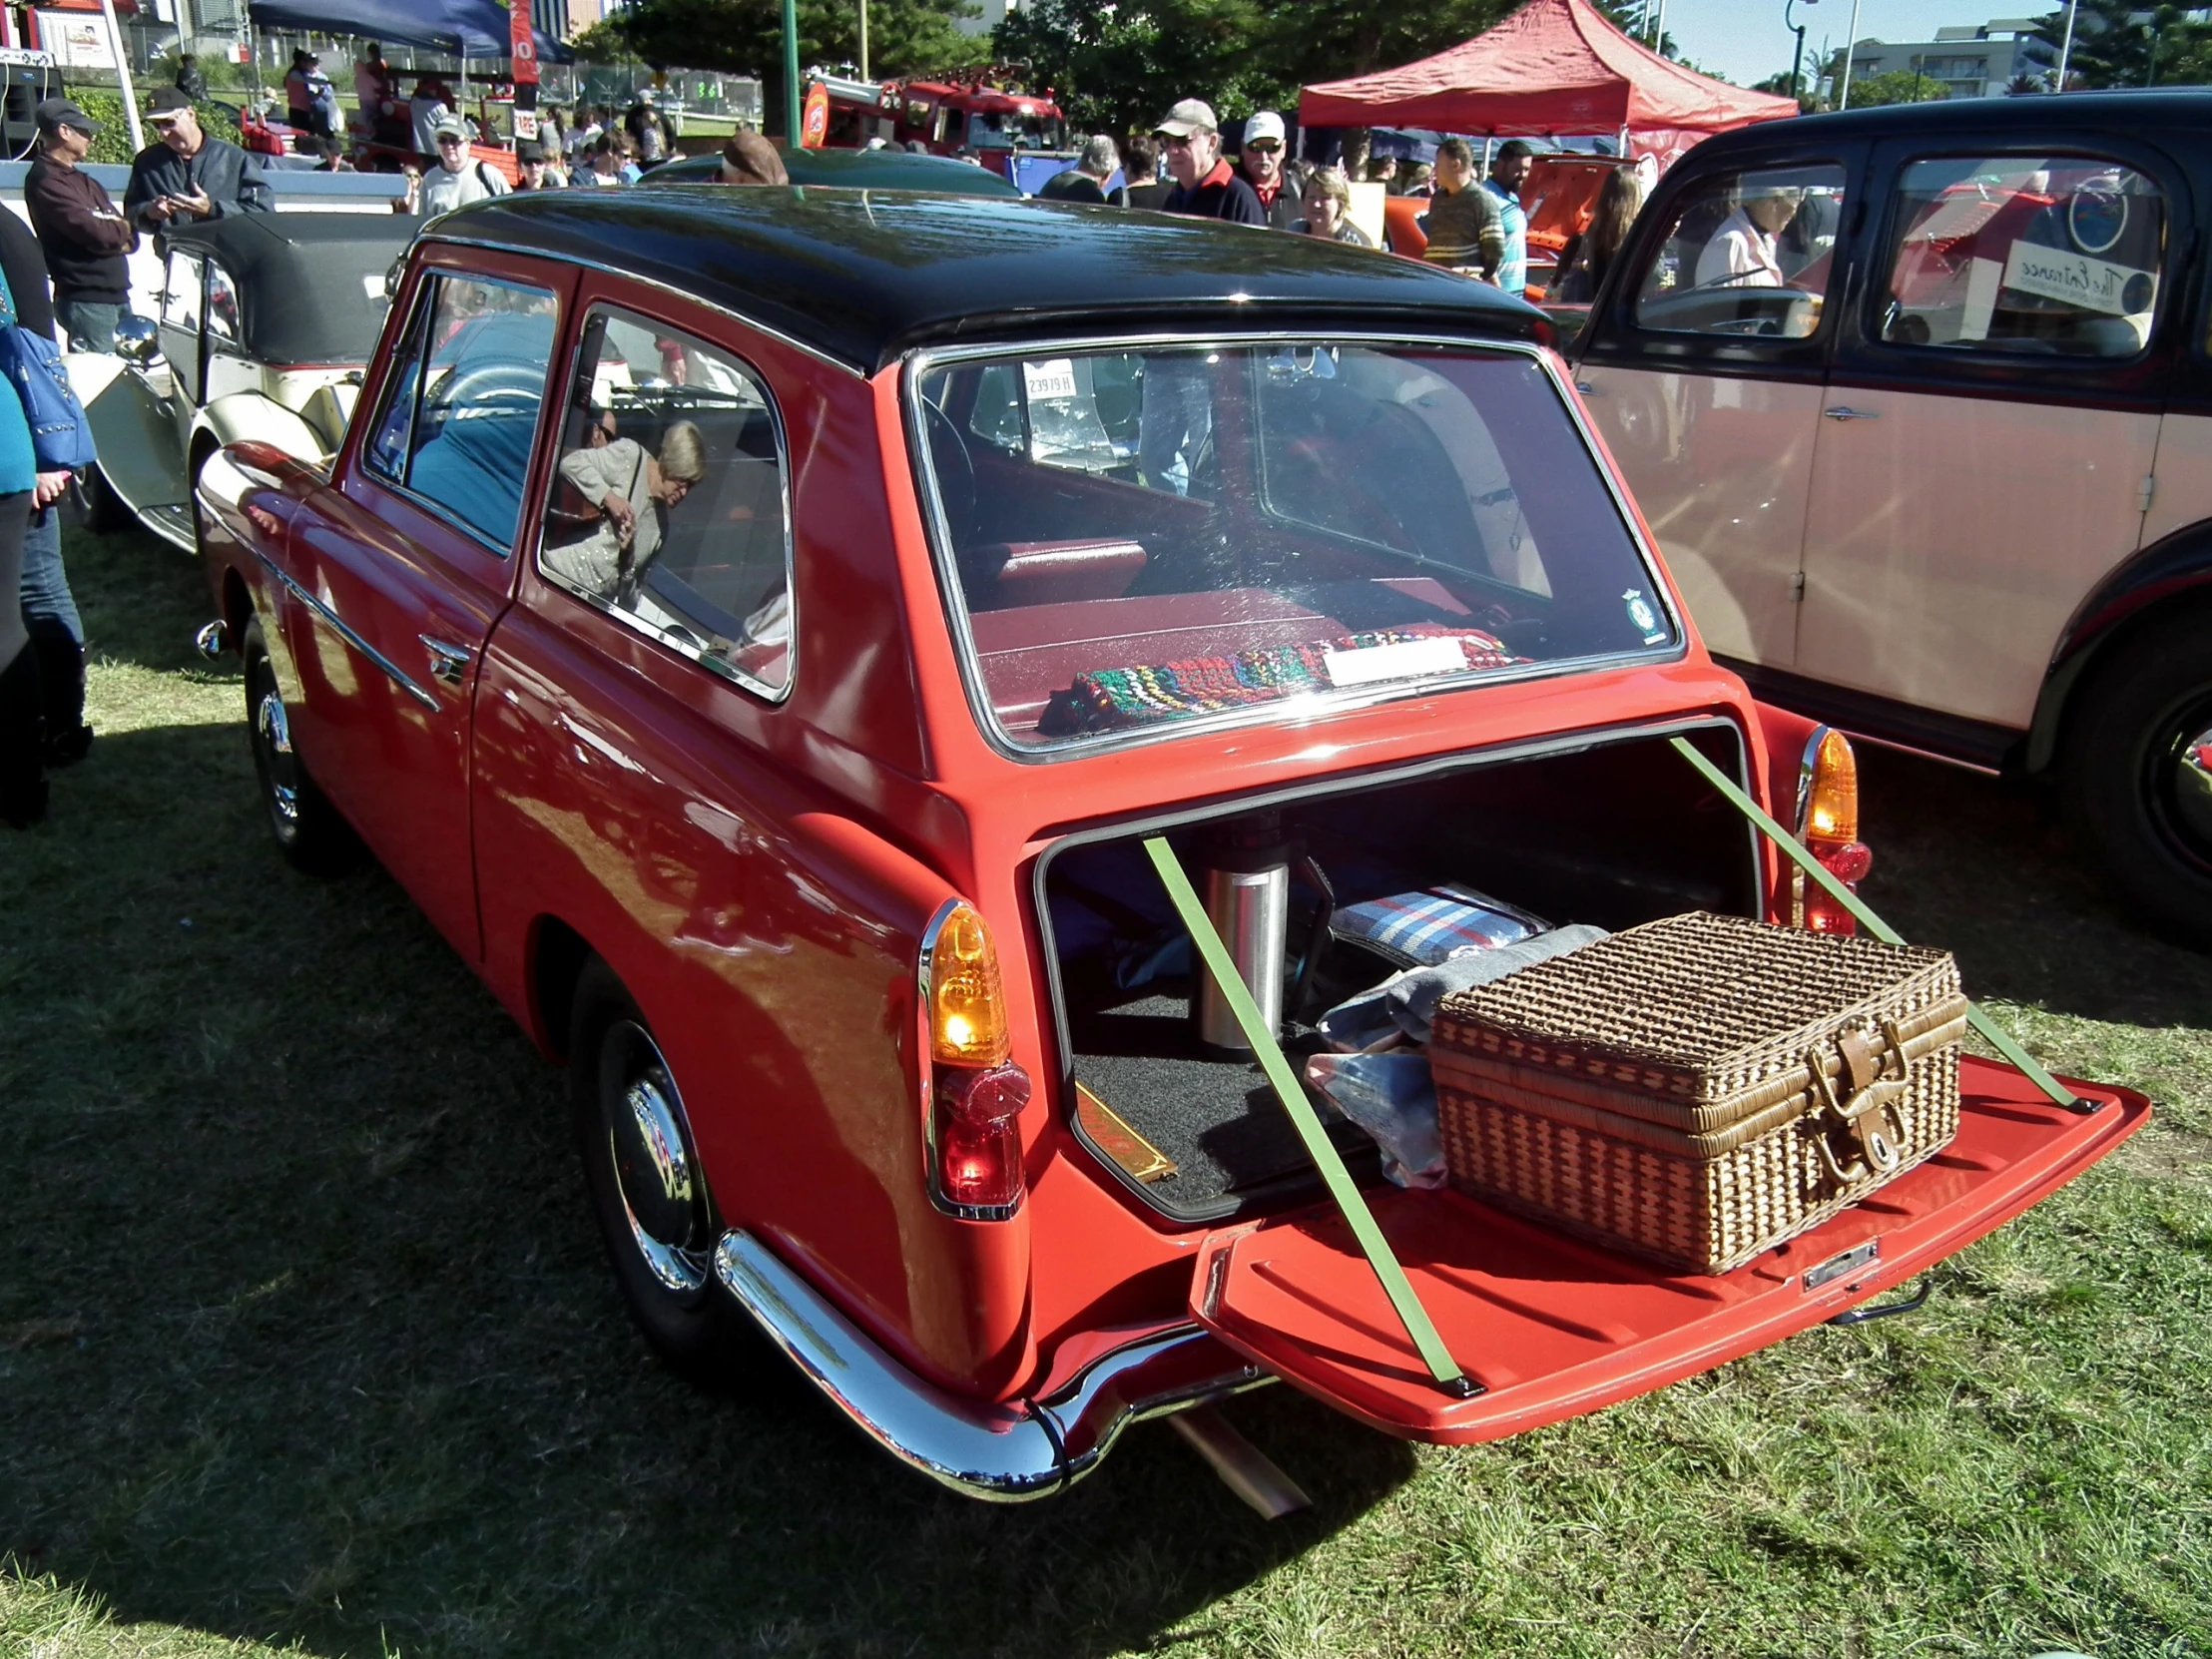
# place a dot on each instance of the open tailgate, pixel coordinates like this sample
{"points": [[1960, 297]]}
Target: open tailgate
{"points": [[1552, 1326]]}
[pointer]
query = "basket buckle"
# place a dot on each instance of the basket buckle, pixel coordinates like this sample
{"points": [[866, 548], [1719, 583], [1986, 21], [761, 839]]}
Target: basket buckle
{"points": [[1871, 1084]]}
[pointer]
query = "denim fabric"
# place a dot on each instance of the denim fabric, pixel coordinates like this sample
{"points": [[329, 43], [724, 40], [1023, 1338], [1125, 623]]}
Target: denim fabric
{"points": [[90, 324], [1394, 1098], [45, 583]]}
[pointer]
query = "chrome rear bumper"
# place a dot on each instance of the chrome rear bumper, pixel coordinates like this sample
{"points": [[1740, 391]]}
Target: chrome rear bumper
{"points": [[1007, 1453]]}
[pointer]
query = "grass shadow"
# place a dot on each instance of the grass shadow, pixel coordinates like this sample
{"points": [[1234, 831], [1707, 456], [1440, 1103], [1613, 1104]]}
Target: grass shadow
{"points": [[311, 1338]]}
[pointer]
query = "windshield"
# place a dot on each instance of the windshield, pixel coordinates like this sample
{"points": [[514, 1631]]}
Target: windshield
{"points": [[1143, 537]]}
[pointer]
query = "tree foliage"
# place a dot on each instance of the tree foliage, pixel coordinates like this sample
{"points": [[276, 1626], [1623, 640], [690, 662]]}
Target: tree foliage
{"points": [[2124, 43], [1895, 86], [746, 37]]}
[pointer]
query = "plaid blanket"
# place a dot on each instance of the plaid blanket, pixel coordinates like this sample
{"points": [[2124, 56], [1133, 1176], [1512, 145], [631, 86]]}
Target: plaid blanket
{"points": [[1110, 699], [1422, 929]]}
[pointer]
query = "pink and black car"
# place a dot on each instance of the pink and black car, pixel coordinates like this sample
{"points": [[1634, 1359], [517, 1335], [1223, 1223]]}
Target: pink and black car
{"points": [[760, 629]]}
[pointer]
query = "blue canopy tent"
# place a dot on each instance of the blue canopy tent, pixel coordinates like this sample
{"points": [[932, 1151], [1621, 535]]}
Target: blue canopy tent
{"points": [[465, 28]]}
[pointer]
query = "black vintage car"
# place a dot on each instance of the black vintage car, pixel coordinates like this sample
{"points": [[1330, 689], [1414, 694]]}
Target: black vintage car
{"points": [[1918, 402]]}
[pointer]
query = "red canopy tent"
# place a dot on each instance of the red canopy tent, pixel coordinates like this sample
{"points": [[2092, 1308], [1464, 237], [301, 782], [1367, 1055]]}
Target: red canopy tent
{"points": [[1553, 67]]}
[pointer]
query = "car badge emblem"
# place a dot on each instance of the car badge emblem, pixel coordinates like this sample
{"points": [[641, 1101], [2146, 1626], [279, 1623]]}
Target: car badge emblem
{"points": [[1642, 617]]}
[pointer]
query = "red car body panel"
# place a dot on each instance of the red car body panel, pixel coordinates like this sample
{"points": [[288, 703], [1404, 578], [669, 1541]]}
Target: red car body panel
{"points": [[760, 876]]}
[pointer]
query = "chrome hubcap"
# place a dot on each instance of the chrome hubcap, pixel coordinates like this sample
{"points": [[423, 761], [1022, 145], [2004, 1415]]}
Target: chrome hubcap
{"points": [[661, 1196], [273, 741], [2187, 790]]}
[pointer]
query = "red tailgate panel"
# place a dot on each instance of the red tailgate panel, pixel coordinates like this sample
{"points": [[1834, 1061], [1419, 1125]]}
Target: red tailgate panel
{"points": [[1552, 1326]]}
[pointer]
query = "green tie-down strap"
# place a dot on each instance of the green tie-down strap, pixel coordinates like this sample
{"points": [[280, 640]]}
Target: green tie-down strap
{"points": [[1998, 1037], [1372, 1245]]}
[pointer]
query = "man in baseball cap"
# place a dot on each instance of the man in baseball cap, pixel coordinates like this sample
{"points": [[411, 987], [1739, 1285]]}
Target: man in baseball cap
{"points": [[185, 173], [458, 179], [79, 230], [1260, 159], [1206, 187]]}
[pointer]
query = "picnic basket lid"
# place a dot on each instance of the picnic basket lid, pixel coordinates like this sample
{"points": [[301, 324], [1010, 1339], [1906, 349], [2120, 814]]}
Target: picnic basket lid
{"points": [[1702, 1006]]}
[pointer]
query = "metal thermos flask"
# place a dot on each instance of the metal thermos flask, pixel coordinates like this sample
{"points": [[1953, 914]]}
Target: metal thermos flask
{"points": [[1247, 889]]}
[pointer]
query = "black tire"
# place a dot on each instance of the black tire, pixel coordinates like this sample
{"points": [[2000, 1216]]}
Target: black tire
{"points": [[308, 830], [2138, 787], [98, 509], [648, 1193]]}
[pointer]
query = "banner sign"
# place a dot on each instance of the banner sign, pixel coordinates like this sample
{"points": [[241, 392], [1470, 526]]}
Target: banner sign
{"points": [[2081, 279], [523, 49]]}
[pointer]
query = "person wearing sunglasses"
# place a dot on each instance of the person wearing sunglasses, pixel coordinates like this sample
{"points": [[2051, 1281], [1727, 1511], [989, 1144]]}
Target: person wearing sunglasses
{"points": [[1260, 163], [187, 173], [1206, 187]]}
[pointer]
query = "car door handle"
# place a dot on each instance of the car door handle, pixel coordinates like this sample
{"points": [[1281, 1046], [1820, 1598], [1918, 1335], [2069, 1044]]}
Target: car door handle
{"points": [[447, 662], [1844, 411]]}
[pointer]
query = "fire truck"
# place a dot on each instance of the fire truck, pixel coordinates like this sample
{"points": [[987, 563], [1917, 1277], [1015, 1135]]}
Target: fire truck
{"points": [[1011, 130]]}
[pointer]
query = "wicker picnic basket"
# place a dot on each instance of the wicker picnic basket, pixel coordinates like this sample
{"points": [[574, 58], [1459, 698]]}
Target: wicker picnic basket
{"points": [[1700, 1088]]}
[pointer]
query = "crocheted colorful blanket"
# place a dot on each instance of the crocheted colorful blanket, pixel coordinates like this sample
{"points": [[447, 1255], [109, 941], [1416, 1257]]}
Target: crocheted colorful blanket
{"points": [[1110, 699]]}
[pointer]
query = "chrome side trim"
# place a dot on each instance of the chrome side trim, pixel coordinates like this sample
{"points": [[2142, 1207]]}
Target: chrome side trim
{"points": [[338, 626], [1000, 1454], [1806, 764]]}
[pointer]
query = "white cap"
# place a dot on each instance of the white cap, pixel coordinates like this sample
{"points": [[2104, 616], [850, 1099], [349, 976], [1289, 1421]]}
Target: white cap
{"points": [[1263, 125], [1192, 114]]}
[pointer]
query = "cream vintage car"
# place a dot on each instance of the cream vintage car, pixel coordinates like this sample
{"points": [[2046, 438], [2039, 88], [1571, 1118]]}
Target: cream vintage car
{"points": [[1917, 400], [266, 323]]}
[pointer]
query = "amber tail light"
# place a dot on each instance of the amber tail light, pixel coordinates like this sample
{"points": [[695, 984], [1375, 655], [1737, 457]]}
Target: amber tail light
{"points": [[1828, 824], [975, 1092]]}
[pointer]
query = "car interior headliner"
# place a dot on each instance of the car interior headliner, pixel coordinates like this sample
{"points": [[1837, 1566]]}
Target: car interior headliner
{"points": [[861, 275], [310, 284]]}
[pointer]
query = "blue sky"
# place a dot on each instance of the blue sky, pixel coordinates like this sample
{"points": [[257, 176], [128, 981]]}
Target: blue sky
{"points": [[1746, 41]]}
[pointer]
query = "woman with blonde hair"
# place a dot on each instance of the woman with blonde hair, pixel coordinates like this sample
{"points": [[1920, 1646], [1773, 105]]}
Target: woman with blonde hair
{"points": [[1326, 200]]}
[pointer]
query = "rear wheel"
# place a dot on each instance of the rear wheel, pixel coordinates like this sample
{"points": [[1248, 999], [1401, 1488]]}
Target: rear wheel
{"points": [[2139, 774], [648, 1192], [309, 833]]}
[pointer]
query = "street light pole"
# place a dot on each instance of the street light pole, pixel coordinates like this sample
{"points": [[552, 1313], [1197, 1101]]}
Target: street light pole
{"points": [[2065, 50], [1797, 64], [790, 73]]}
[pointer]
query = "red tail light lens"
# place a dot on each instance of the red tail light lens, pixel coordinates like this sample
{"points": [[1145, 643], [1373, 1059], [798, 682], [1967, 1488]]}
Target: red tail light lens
{"points": [[978, 1142], [1828, 823]]}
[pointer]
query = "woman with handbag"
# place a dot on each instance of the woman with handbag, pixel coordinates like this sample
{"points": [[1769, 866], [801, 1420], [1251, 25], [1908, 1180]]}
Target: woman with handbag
{"points": [[25, 490], [49, 608]]}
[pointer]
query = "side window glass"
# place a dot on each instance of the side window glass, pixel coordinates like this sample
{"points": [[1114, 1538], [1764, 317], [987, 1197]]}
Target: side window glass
{"points": [[223, 322], [181, 293], [462, 401], [670, 505], [2056, 255], [1748, 253]]}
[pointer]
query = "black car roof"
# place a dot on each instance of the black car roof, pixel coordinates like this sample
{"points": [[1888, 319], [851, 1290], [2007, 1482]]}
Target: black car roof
{"points": [[310, 284], [2141, 114], [861, 275], [865, 169]]}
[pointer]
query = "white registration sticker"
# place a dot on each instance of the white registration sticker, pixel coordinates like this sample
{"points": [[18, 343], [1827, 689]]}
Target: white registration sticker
{"points": [[1052, 378], [1405, 660]]}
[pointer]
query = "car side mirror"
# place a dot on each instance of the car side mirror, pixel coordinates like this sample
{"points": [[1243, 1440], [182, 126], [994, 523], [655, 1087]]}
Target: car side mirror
{"points": [[137, 341]]}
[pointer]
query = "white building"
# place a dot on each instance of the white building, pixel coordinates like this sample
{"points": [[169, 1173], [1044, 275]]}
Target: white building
{"points": [[1970, 61]]}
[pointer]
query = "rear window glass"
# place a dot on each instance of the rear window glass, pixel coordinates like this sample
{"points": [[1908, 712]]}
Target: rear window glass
{"points": [[2047, 254], [1137, 539]]}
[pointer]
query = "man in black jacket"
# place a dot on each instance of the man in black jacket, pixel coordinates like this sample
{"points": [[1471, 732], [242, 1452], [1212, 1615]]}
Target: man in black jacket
{"points": [[82, 234], [187, 175], [1206, 187]]}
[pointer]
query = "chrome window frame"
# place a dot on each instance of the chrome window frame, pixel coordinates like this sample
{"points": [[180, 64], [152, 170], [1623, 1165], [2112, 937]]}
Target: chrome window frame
{"points": [[917, 364], [721, 668], [418, 317]]}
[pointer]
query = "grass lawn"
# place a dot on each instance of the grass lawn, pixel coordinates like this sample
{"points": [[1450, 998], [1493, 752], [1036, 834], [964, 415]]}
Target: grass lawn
{"points": [[305, 1342]]}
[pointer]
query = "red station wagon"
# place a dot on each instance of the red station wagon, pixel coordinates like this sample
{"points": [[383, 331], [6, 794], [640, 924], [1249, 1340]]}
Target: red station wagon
{"points": [[761, 627]]}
